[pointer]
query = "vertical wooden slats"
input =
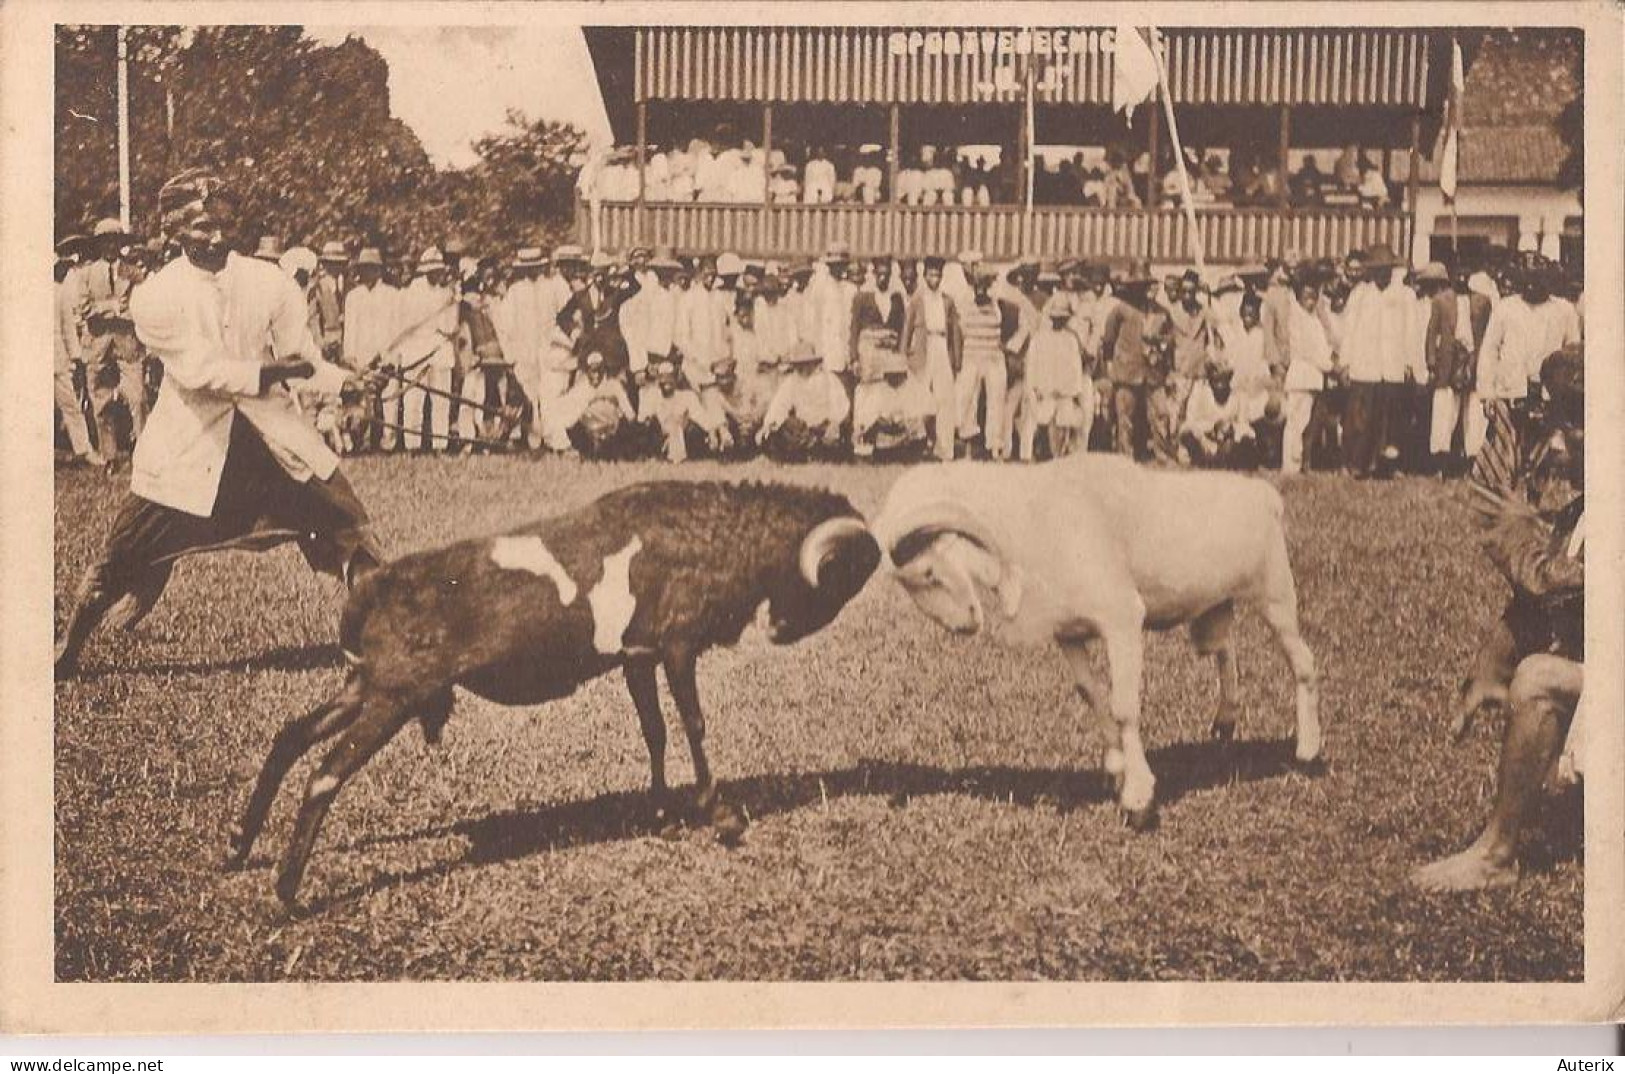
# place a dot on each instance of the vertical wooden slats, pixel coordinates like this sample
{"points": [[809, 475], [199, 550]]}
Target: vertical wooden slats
{"points": [[856, 65]]}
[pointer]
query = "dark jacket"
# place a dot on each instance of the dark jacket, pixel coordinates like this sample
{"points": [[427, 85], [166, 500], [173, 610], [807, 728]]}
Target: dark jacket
{"points": [[1449, 363]]}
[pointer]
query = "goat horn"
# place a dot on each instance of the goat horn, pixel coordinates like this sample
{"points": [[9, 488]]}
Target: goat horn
{"points": [[823, 540], [931, 520]]}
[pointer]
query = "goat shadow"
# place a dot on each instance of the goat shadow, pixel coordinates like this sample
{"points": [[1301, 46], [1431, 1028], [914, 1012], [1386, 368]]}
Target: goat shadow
{"points": [[316, 656], [1181, 768]]}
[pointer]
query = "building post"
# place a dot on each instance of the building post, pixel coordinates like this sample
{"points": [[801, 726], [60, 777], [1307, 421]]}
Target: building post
{"points": [[1413, 179], [894, 152], [643, 167], [1153, 187], [1285, 159], [767, 173]]}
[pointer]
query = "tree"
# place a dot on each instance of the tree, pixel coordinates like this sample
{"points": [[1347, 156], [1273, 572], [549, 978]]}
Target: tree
{"points": [[304, 131]]}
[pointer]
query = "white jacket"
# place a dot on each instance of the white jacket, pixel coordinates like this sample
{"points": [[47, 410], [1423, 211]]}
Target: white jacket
{"points": [[212, 332], [1378, 338]]}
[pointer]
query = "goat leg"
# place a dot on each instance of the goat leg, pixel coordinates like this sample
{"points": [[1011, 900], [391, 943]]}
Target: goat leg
{"points": [[293, 741], [640, 682], [382, 716], [728, 822]]}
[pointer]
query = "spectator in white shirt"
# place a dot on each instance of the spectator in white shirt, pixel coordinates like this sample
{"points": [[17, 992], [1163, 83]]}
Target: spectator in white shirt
{"points": [[1524, 329], [1311, 359], [818, 178]]}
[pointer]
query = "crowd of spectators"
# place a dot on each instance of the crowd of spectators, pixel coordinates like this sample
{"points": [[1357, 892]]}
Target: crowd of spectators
{"points": [[1366, 365], [1117, 177]]}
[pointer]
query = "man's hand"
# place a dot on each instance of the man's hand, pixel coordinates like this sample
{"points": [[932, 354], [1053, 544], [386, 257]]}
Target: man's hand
{"points": [[279, 370]]}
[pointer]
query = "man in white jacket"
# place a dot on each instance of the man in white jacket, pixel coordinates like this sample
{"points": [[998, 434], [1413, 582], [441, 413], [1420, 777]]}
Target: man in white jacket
{"points": [[226, 459], [1310, 359], [1379, 346]]}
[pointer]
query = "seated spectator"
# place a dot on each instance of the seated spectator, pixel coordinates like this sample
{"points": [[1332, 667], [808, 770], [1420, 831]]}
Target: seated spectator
{"points": [[867, 177], [709, 182], [784, 189], [748, 183], [1214, 433], [807, 412], [818, 178], [1306, 183], [1215, 178], [1373, 187], [1117, 188], [656, 175], [1346, 172], [911, 185], [592, 413], [1094, 183], [675, 413], [939, 185], [680, 184], [888, 415]]}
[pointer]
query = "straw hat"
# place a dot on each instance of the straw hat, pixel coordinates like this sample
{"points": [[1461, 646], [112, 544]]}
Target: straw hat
{"points": [[529, 257], [269, 248], [430, 261], [369, 255], [333, 250]]}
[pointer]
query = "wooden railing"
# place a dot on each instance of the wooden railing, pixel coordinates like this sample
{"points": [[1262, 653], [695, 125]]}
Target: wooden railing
{"points": [[1229, 235]]}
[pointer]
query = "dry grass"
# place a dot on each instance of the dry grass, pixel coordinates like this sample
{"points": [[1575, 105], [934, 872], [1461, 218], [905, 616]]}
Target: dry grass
{"points": [[923, 806]]}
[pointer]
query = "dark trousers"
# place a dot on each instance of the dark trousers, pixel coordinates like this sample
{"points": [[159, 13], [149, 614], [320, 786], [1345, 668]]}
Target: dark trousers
{"points": [[258, 507], [1368, 425], [1322, 437]]}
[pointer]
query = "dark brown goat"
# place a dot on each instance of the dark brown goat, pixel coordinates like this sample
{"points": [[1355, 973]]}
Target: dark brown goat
{"points": [[651, 574]]}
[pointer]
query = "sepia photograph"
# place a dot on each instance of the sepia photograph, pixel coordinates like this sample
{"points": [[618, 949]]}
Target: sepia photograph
{"points": [[609, 497]]}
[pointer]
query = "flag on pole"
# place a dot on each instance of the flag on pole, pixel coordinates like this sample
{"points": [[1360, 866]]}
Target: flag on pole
{"points": [[1134, 70], [1452, 124]]}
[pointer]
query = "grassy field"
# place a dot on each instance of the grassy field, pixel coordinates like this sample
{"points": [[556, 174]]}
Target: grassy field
{"points": [[922, 806]]}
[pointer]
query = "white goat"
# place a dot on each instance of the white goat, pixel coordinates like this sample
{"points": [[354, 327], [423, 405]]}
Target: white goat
{"points": [[1096, 546]]}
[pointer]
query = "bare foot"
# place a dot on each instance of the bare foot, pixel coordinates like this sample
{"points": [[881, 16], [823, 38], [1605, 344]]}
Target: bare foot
{"points": [[1471, 870]]}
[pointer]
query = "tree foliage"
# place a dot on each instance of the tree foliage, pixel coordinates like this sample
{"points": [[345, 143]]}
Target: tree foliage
{"points": [[305, 133]]}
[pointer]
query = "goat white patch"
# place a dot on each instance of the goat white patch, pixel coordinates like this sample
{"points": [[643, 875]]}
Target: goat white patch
{"points": [[530, 554], [613, 604]]}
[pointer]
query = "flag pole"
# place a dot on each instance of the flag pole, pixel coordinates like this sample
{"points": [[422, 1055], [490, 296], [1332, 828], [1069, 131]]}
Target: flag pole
{"points": [[123, 129], [1194, 237]]}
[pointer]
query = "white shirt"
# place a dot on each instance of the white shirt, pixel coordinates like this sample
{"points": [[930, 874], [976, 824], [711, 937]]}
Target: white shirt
{"points": [[818, 181], [369, 322], [1376, 343], [1310, 351], [818, 400], [701, 332], [212, 332], [1517, 340], [428, 321], [832, 299]]}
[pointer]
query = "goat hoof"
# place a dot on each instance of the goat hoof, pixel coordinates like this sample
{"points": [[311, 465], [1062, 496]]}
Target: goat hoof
{"points": [[1313, 767], [729, 824], [1141, 820]]}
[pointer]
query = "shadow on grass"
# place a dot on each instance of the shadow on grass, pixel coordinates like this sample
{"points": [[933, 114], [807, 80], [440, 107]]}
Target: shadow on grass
{"points": [[513, 834], [314, 657]]}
